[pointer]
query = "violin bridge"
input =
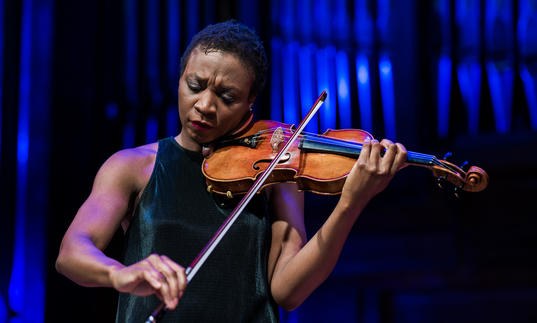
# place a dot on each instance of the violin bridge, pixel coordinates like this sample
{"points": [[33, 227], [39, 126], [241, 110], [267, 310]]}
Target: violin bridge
{"points": [[276, 140]]}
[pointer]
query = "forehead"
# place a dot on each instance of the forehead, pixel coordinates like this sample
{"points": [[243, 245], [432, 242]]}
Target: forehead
{"points": [[215, 63]]}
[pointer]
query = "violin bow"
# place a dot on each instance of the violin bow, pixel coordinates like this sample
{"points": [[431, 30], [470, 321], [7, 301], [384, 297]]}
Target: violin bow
{"points": [[232, 217]]}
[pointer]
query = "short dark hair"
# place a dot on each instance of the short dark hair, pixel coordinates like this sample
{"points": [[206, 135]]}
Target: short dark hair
{"points": [[237, 39]]}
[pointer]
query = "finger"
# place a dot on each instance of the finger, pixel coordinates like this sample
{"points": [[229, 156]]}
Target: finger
{"points": [[365, 152], [152, 279], [375, 153], [173, 280], [170, 274], [386, 143], [180, 274], [400, 158], [169, 284], [389, 156], [155, 279]]}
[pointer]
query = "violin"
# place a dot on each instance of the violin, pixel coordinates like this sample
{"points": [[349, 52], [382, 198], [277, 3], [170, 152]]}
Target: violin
{"points": [[316, 163]]}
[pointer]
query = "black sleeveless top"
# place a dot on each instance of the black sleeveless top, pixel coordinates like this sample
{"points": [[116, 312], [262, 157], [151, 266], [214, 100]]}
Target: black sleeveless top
{"points": [[176, 216]]}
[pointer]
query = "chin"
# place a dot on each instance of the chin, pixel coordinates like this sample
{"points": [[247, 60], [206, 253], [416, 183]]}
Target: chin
{"points": [[202, 139]]}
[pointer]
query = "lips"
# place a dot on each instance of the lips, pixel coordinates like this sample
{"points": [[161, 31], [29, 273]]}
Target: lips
{"points": [[201, 125]]}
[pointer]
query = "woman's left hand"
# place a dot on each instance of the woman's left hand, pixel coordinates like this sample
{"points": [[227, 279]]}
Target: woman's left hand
{"points": [[372, 171]]}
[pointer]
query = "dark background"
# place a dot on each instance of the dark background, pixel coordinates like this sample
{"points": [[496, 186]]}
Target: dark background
{"points": [[81, 80]]}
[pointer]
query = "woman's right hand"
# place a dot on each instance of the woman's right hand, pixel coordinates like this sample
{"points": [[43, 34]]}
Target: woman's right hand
{"points": [[156, 274]]}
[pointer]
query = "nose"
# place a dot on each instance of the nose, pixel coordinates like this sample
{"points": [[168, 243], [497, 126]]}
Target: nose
{"points": [[205, 104]]}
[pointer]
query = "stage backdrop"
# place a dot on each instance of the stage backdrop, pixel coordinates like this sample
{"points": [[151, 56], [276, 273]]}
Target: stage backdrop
{"points": [[81, 80]]}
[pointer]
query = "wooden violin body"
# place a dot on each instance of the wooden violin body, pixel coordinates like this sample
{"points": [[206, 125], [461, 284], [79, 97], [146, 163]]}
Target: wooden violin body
{"points": [[316, 163]]}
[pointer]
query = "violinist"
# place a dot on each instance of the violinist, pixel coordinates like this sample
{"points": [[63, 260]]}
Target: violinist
{"points": [[157, 194]]}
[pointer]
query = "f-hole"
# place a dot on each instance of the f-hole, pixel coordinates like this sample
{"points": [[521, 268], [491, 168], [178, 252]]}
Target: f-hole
{"points": [[285, 158]]}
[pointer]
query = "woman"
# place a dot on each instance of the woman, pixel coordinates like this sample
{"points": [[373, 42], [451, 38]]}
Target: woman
{"points": [[157, 194]]}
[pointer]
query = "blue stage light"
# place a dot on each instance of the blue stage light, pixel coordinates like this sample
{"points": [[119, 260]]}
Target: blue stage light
{"points": [[17, 286], [151, 130], [3, 306], [344, 100], [111, 111], [530, 88], [174, 32], [307, 89], [326, 80], [469, 76], [193, 22], [443, 94], [172, 121], [276, 81], [290, 84], [387, 94], [501, 91], [152, 51], [364, 92], [363, 70], [131, 51], [26, 289]]}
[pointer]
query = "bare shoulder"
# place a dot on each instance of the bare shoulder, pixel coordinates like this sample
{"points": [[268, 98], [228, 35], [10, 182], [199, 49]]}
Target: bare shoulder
{"points": [[137, 156], [114, 192], [130, 167]]}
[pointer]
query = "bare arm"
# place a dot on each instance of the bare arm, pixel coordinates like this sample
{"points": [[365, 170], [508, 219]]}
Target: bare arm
{"points": [[81, 258], [296, 268]]}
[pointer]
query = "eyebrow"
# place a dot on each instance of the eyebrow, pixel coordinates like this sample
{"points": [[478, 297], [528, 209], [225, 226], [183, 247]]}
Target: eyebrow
{"points": [[197, 78], [220, 88], [226, 88]]}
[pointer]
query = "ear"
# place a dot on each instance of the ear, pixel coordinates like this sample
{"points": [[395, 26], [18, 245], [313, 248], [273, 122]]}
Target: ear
{"points": [[251, 101]]}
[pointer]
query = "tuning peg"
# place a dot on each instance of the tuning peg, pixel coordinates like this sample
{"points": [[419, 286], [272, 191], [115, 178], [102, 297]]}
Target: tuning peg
{"points": [[447, 155], [464, 166], [457, 191], [440, 181]]}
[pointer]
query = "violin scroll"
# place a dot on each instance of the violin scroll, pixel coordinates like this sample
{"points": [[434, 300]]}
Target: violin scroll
{"points": [[473, 180]]}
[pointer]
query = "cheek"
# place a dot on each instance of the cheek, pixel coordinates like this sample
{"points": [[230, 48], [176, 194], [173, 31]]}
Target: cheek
{"points": [[184, 102], [183, 110], [183, 92], [232, 118]]}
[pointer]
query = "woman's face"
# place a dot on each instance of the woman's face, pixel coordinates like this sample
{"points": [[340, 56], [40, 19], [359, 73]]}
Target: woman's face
{"points": [[213, 97]]}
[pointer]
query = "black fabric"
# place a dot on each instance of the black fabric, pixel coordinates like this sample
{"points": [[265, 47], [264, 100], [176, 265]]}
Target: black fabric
{"points": [[176, 216]]}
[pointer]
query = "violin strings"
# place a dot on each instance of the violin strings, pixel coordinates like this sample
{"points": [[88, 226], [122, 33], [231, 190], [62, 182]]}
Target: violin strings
{"points": [[342, 142], [316, 138], [324, 139], [349, 144]]}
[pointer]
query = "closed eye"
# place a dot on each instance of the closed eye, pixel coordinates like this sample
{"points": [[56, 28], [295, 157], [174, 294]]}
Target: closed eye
{"points": [[194, 87], [227, 99]]}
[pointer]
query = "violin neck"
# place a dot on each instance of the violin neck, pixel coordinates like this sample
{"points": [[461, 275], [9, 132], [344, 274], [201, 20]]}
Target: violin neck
{"points": [[353, 149]]}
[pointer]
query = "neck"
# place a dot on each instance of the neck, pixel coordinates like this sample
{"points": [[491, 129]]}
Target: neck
{"points": [[353, 149], [187, 143]]}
